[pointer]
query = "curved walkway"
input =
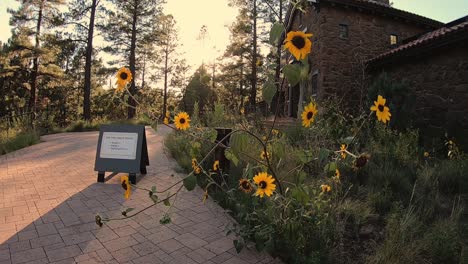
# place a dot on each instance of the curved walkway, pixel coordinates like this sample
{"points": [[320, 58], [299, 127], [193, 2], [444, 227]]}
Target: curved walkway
{"points": [[49, 197]]}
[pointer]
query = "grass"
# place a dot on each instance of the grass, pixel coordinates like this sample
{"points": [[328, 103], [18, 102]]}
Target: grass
{"points": [[19, 140]]}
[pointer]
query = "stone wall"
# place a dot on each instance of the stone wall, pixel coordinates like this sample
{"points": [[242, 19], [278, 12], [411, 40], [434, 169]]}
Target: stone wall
{"points": [[343, 59], [440, 81]]}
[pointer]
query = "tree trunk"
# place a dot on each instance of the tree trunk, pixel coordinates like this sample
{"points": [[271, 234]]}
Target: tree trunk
{"points": [[241, 82], [35, 69], [143, 73], [278, 58], [166, 54], [89, 54], [131, 109], [253, 92]]}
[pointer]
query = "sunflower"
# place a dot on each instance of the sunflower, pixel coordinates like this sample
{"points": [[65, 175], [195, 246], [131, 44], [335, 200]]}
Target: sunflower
{"points": [[195, 166], [245, 185], [382, 111], [216, 165], [361, 161], [265, 185], [182, 121], [298, 44], [426, 154], [264, 155], [275, 132], [168, 114], [309, 114], [343, 151], [325, 188], [337, 176], [124, 76], [126, 186], [166, 121]]}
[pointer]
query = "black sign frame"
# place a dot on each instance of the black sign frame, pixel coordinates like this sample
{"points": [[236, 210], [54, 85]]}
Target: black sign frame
{"points": [[132, 167]]}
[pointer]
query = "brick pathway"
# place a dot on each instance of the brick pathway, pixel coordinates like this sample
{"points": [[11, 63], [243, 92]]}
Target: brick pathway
{"points": [[49, 197]]}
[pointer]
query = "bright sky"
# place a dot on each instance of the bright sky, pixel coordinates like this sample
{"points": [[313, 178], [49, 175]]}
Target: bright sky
{"points": [[217, 15]]}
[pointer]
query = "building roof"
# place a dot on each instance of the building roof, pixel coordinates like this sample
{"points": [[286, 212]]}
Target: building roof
{"points": [[451, 31], [376, 7]]}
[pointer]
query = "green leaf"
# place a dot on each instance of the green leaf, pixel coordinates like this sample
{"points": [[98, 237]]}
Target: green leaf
{"points": [[292, 73], [153, 189], [167, 202], [190, 182], [330, 167], [300, 195], [323, 154], [166, 219], [275, 33], [154, 198], [239, 245], [268, 92], [231, 156], [348, 140]]}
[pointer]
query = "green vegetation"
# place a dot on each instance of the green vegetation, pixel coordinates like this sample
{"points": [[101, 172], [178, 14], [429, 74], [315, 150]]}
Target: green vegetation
{"points": [[17, 140], [401, 206]]}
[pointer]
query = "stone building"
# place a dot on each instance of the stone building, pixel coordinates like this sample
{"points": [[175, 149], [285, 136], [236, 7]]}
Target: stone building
{"points": [[355, 40], [435, 66]]}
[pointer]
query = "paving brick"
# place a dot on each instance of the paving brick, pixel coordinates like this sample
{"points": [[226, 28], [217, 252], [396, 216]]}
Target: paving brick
{"points": [[46, 229], [170, 245], [19, 246], [45, 241], [78, 238], [27, 255], [4, 255], [235, 260], [148, 259], [26, 235], [163, 235], [91, 246], [125, 255], [64, 253], [145, 248], [219, 246], [120, 243], [55, 215], [191, 241], [125, 231], [201, 255]]}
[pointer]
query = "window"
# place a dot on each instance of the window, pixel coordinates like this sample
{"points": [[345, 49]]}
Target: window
{"points": [[393, 39], [343, 31], [314, 83]]}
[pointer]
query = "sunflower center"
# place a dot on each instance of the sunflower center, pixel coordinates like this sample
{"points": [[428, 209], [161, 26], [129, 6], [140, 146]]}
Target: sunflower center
{"points": [[361, 161], [124, 76], [381, 108], [262, 184], [124, 185], [182, 120], [310, 115], [298, 42], [245, 185]]}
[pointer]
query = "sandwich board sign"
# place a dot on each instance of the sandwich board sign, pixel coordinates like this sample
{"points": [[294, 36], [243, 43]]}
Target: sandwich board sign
{"points": [[121, 148]]}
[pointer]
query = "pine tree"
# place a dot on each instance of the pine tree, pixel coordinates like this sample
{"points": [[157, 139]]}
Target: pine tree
{"points": [[132, 25], [79, 9], [31, 17]]}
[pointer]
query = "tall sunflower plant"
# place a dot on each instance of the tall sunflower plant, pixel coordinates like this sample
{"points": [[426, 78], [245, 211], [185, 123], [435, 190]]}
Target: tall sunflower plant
{"points": [[260, 181]]}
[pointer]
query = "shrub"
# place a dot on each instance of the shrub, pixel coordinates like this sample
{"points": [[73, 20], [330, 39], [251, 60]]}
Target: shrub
{"points": [[18, 141]]}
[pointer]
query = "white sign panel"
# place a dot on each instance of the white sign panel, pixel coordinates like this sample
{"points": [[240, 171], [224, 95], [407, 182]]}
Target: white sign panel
{"points": [[119, 145]]}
